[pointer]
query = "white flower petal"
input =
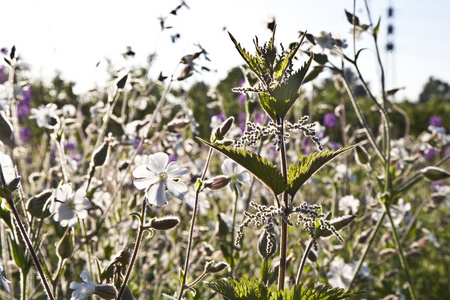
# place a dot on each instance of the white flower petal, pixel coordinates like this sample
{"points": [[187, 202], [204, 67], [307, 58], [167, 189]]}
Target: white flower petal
{"points": [[227, 167], [156, 194], [174, 169], [157, 162], [244, 178], [176, 189]]}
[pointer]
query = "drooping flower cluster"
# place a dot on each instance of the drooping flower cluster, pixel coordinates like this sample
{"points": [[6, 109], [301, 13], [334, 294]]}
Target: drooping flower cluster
{"points": [[257, 132]]}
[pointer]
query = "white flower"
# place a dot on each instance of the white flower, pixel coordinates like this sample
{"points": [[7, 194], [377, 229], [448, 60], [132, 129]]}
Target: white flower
{"points": [[46, 116], [202, 205], [348, 204], [237, 174], [341, 273], [82, 290], [445, 191], [8, 170], [68, 206], [342, 171], [155, 175], [398, 213], [4, 281]]}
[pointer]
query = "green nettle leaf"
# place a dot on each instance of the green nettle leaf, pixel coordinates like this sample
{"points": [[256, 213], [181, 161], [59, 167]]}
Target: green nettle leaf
{"points": [[313, 291], [300, 172], [254, 62], [263, 170], [240, 289], [282, 65]]}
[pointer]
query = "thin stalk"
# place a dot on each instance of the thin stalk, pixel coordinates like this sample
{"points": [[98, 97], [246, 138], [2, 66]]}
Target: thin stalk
{"points": [[401, 254], [30, 247], [284, 228], [303, 262], [233, 224], [135, 251], [366, 249], [191, 229], [23, 284]]}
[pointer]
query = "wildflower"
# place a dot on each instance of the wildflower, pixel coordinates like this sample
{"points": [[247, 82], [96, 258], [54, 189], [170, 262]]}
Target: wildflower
{"points": [[68, 206], [237, 174], [82, 290], [349, 205], [341, 273], [155, 175], [46, 116], [398, 213], [330, 120], [4, 281], [202, 205]]}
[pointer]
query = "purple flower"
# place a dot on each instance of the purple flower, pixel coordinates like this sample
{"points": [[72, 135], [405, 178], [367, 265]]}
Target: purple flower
{"points": [[23, 108], [330, 120], [430, 153], [241, 120], [25, 134], [3, 75], [435, 121]]}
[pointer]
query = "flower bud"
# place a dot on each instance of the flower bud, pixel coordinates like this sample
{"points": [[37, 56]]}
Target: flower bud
{"points": [[222, 130], [218, 267], [217, 182], [434, 173], [164, 223], [106, 291], [178, 125], [361, 155], [338, 224], [100, 155], [6, 130], [66, 245], [37, 203], [267, 244]]}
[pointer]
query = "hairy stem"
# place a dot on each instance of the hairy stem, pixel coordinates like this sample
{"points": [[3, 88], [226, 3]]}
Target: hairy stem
{"points": [[303, 262]]}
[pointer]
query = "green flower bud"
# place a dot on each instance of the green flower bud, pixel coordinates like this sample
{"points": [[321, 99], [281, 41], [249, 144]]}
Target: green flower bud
{"points": [[66, 245], [218, 267], [361, 155], [37, 204], [222, 130], [101, 154], [164, 223], [434, 173], [338, 224], [106, 291], [6, 130]]}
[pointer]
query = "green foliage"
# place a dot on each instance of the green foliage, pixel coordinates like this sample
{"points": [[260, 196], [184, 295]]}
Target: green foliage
{"points": [[249, 289], [263, 170], [300, 172], [240, 289]]}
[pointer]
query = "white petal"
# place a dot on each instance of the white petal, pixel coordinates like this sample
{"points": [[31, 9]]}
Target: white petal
{"points": [[174, 169], [176, 189], [156, 195], [157, 162], [227, 167], [142, 171], [244, 178]]}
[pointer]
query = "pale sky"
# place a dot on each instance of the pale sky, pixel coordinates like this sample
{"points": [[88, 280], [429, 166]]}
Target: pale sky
{"points": [[73, 36]]}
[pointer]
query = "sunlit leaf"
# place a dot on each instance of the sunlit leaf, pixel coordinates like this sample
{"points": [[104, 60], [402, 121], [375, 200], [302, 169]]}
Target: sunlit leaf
{"points": [[252, 61], [300, 172], [240, 289], [263, 170]]}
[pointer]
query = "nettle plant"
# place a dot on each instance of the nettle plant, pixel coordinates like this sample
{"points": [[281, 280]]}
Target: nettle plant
{"points": [[277, 90]]}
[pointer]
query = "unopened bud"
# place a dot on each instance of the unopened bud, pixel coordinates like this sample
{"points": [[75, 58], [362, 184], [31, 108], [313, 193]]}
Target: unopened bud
{"points": [[106, 291], [361, 155], [100, 155], [121, 83], [164, 223], [217, 182], [177, 125], [66, 245], [338, 224], [218, 267], [36, 205], [434, 173], [267, 244], [6, 130], [222, 130]]}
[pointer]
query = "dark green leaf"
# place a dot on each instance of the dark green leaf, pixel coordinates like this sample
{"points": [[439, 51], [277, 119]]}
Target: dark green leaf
{"points": [[240, 289], [313, 291], [252, 61], [300, 172], [263, 170], [122, 81], [353, 19]]}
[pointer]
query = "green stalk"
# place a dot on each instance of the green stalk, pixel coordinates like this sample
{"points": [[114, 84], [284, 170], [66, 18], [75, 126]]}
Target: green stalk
{"points": [[191, 229], [284, 228], [236, 198], [303, 262], [401, 254], [135, 251]]}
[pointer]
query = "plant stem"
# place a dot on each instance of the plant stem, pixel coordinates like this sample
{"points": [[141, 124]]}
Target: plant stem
{"points": [[401, 254], [30, 248], [285, 203], [191, 229], [303, 262], [135, 251], [236, 198]]}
